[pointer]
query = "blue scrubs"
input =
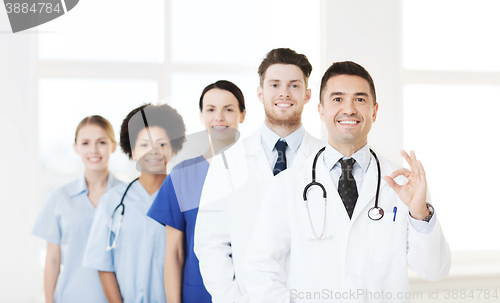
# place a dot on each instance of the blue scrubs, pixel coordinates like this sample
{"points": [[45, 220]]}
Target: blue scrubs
{"points": [[139, 256], [65, 220], [177, 206]]}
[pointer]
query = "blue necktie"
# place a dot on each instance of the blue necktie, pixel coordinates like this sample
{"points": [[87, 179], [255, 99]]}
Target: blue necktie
{"points": [[281, 162], [347, 186]]}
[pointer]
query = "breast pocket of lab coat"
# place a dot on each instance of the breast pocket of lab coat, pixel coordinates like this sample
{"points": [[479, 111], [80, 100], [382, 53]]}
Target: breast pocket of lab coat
{"points": [[388, 238]]}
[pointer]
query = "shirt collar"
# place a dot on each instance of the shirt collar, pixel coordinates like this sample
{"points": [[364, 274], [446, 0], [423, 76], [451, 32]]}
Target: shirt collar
{"points": [[293, 140], [362, 157], [81, 185], [111, 180]]}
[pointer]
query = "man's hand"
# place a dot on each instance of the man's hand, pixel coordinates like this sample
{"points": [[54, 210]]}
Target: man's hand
{"points": [[413, 193]]}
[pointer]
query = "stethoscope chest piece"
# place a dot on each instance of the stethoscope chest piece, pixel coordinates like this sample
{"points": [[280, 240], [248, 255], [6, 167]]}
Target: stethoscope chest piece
{"points": [[375, 213]]}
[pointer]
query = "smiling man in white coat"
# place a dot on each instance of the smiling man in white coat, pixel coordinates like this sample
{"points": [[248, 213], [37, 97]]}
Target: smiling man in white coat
{"points": [[236, 180], [341, 243]]}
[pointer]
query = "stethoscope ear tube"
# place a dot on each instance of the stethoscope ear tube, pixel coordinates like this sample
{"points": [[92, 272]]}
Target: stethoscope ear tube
{"points": [[378, 179], [113, 245], [314, 163], [375, 213], [313, 182], [123, 197], [304, 194]]}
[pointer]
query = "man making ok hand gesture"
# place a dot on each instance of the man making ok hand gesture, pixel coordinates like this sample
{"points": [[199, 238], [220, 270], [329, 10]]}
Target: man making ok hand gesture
{"points": [[322, 236]]}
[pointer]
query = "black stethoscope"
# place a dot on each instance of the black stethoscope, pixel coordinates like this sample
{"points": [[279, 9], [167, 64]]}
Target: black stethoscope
{"points": [[375, 213], [112, 246]]}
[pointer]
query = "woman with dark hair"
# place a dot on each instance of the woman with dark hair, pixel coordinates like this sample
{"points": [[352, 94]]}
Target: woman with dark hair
{"points": [[66, 217], [222, 109], [126, 246]]}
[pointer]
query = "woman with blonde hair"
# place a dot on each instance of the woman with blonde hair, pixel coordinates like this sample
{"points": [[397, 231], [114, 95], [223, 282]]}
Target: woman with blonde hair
{"points": [[67, 215]]}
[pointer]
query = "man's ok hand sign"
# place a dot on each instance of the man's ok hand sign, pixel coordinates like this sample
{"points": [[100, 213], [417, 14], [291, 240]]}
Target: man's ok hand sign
{"points": [[413, 193]]}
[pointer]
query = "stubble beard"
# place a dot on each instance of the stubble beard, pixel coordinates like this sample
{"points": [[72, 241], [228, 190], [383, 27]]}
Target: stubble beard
{"points": [[289, 122]]}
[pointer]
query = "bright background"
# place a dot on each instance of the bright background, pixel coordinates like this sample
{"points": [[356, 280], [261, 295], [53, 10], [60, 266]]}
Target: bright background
{"points": [[435, 65]]}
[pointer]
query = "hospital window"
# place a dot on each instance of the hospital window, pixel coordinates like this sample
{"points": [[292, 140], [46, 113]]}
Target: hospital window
{"points": [[156, 50], [451, 98]]}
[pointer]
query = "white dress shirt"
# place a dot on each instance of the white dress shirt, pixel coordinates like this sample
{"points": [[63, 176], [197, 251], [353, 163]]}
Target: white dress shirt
{"points": [[293, 141], [362, 157]]}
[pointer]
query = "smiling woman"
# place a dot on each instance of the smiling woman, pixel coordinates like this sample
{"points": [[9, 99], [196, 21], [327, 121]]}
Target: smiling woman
{"points": [[222, 110], [68, 213], [152, 160], [94, 142], [129, 252]]}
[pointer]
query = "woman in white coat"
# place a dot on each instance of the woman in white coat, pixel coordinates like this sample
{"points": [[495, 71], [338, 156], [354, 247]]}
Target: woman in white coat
{"points": [[357, 259], [237, 178]]}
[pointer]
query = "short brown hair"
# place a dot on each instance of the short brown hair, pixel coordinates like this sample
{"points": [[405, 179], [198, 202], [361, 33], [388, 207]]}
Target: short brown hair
{"points": [[346, 68], [99, 121], [285, 56]]}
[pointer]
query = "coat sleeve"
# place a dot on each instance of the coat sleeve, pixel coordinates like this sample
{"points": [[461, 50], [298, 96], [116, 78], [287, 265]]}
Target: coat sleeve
{"points": [[212, 241], [265, 276], [428, 253]]}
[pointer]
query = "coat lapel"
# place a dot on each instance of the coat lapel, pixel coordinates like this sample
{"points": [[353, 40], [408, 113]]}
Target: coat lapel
{"points": [[256, 156], [307, 147]]}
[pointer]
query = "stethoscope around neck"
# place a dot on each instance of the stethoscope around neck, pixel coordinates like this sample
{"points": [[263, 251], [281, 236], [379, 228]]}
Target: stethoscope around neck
{"points": [[109, 245], [375, 213]]}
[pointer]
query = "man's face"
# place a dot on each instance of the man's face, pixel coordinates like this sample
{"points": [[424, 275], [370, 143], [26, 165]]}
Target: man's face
{"points": [[348, 111], [284, 93]]}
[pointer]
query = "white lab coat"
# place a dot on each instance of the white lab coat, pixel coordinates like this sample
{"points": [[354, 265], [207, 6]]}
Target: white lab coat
{"points": [[229, 206], [361, 256]]}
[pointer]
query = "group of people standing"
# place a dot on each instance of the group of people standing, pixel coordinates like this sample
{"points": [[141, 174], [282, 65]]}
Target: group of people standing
{"points": [[228, 225]]}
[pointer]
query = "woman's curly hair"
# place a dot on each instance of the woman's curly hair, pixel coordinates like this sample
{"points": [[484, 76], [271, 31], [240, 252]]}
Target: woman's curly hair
{"points": [[149, 115]]}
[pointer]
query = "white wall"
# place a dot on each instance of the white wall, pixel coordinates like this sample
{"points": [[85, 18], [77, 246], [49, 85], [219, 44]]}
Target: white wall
{"points": [[369, 33], [20, 279]]}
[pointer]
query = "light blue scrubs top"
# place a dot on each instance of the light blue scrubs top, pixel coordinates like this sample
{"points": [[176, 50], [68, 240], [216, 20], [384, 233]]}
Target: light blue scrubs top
{"points": [[177, 206], [139, 256], [65, 220]]}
